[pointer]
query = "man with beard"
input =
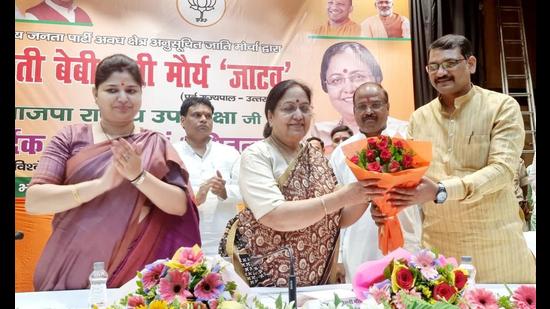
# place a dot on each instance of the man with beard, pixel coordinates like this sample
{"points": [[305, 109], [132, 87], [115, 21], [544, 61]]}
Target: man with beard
{"points": [[339, 22], [213, 171], [359, 242], [386, 24], [467, 195]]}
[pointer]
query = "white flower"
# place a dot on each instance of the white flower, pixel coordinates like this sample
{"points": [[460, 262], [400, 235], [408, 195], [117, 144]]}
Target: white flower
{"points": [[370, 303]]}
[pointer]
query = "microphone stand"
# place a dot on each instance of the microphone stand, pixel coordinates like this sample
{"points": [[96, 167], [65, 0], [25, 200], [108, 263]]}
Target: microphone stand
{"points": [[291, 274]]}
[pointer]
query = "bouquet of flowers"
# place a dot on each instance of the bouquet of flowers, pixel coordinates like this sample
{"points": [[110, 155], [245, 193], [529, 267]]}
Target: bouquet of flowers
{"points": [[188, 280], [428, 280], [400, 276], [395, 162]]}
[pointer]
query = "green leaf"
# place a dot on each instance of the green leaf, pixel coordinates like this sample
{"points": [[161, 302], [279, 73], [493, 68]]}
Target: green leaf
{"points": [[258, 304], [279, 302], [230, 287], [337, 299]]}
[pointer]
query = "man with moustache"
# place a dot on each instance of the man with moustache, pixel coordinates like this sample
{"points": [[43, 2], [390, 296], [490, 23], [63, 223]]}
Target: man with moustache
{"points": [[359, 242], [467, 196], [339, 22], [58, 10], [386, 24], [213, 171]]}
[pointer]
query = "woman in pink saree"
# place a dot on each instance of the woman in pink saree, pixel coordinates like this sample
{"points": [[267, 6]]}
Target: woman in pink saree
{"points": [[120, 194]]}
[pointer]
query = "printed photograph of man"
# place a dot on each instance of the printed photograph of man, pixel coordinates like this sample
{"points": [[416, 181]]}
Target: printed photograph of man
{"points": [[339, 22], [387, 23], [58, 10]]}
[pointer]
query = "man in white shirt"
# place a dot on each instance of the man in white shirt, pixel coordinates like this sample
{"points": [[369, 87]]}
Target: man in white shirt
{"points": [[359, 242], [213, 171]]}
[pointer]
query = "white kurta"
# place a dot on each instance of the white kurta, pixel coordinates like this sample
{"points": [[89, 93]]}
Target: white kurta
{"points": [[359, 242], [214, 212]]}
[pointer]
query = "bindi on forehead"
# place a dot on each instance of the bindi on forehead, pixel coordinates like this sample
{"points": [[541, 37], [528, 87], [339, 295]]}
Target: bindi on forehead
{"points": [[122, 84]]}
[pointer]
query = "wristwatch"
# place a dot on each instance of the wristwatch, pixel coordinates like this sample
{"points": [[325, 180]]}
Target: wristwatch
{"points": [[441, 194]]}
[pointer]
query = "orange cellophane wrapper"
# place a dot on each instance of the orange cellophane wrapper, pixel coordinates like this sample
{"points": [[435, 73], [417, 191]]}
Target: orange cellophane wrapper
{"points": [[390, 236]]}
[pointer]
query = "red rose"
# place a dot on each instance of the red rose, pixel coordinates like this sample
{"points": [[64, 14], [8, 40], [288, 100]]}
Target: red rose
{"points": [[398, 144], [443, 290], [371, 155], [407, 161], [405, 278], [354, 159], [374, 166], [460, 279], [372, 142], [394, 166], [385, 155], [382, 144]]}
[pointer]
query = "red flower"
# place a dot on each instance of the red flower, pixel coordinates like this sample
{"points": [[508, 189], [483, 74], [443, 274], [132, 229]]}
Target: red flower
{"points": [[372, 142], [394, 166], [382, 143], [398, 144], [385, 155], [374, 166], [371, 155], [354, 159], [443, 290], [460, 279], [407, 161], [405, 278]]}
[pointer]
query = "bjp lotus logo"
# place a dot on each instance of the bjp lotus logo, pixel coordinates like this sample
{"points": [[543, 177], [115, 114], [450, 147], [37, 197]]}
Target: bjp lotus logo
{"points": [[202, 13]]}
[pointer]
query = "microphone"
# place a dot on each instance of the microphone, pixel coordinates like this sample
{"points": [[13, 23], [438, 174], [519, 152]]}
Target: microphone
{"points": [[19, 235], [257, 259]]}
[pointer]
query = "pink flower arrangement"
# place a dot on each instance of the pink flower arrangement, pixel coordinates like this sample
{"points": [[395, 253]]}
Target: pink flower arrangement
{"points": [[425, 279], [524, 297], [188, 280]]}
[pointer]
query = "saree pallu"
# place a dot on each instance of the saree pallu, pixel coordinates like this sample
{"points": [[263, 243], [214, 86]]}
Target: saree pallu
{"points": [[313, 247], [107, 228]]}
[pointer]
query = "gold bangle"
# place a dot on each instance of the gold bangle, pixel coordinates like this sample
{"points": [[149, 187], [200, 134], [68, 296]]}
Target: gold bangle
{"points": [[76, 196], [325, 209]]}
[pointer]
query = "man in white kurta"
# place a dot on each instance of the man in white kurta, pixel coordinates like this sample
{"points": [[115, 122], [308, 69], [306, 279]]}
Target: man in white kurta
{"points": [[213, 172], [359, 242]]}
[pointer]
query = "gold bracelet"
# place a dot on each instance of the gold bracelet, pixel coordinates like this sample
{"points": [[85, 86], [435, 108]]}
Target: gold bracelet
{"points": [[325, 209], [76, 196]]}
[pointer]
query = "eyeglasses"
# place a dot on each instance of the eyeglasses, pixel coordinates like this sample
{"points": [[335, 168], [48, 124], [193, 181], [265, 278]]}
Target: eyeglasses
{"points": [[377, 106], [356, 78], [289, 109], [446, 65]]}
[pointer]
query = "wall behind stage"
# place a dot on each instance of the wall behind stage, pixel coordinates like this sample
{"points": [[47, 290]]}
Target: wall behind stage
{"points": [[233, 54]]}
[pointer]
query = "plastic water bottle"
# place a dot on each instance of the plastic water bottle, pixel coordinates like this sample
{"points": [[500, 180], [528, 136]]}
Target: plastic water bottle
{"points": [[98, 286], [466, 263]]}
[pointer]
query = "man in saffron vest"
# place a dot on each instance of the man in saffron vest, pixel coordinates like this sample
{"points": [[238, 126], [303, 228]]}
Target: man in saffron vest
{"points": [[58, 10], [387, 23], [338, 22]]}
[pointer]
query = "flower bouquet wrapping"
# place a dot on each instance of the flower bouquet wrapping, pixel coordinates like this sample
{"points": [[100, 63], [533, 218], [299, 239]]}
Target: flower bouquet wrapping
{"points": [[188, 280], [395, 162]]}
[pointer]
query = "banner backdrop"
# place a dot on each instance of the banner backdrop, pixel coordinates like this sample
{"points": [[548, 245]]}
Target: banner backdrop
{"points": [[232, 52]]}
